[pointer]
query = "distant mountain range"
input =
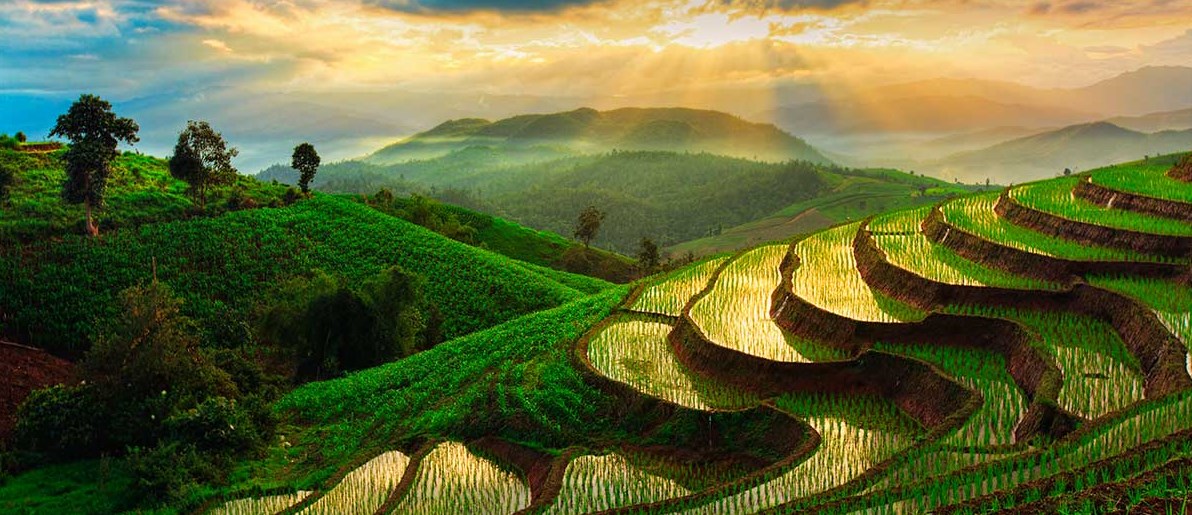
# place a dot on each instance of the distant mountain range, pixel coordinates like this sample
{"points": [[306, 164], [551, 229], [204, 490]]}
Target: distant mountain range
{"points": [[957, 105], [1077, 147], [588, 131]]}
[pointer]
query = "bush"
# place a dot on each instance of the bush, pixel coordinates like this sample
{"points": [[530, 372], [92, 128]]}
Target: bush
{"points": [[58, 421], [168, 470], [217, 427], [332, 328]]}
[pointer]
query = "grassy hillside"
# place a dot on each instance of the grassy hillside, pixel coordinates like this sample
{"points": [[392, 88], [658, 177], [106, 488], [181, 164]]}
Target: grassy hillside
{"points": [[56, 287], [850, 197], [139, 191], [669, 197], [945, 377], [591, 131], [530, 246]]}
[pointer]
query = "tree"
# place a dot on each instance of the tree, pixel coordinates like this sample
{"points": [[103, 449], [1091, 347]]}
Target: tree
{"points": [[588, 225], [1067, 171], [202, 158], [94, 132], [21, 137], [647, 255], [306, 161]]}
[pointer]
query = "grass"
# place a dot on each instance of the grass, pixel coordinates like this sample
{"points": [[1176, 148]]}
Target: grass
{"points": [[986, 372], [975, 215], [450, 479], [1056, 197], [736, 311], [914, 252], [1100, 374], [1147, 178], [90, 487], [223, 267], [139, 191], [670, 294], [827, 277], [634, 351]]}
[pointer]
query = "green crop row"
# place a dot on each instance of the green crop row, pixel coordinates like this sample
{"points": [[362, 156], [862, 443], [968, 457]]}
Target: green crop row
{"points": [[1056, 197], [975, 215]]}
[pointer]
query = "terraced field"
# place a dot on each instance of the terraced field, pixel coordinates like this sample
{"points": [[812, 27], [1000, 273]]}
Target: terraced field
{"points": [[957, 359]]}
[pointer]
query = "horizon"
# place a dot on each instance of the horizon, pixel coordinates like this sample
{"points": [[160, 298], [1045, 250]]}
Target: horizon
{"points": [[351, 76]]}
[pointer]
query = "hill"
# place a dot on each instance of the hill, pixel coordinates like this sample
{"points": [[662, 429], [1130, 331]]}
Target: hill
{"points": [[1035, 336], [850, 197], [225, 263], [667, 196], [1077, 147], [1155, 122], [589, 131]]}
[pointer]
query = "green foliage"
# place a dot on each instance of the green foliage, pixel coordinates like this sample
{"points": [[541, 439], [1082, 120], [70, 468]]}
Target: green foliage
{"points": [[94, 132], [306, 161], [542, 248], [139, 191], [202, 159], [218, 266], [647, 255], [60, 421], [588, 224], [333, 328]]}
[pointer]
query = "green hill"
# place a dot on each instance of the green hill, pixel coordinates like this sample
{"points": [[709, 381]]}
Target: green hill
{"points": [[669, 197], [850, 196], [224, 264], [590, 131]]}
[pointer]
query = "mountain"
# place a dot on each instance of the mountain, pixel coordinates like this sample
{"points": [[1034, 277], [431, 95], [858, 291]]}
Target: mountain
{"points": [[920, 114], [952, 105], [590, 131], [1077, 147], [1154, 122]]}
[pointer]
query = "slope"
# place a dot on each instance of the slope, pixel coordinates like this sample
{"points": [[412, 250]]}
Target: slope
{"points": [[54, 291], [588, 131], [1076, 147]]}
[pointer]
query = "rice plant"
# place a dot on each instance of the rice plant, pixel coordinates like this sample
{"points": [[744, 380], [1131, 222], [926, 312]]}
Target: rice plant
{"points": [[916, 253], [1100, 374], [635, 352], [598, 483], [268, 505], [908, 221], [827, 277], [363, 490], [1056, 197], [668, 296], [736, 311], [1170, 301], [856, 434], [450, 479], [986, 372], [1147, 179], [975, 215]]}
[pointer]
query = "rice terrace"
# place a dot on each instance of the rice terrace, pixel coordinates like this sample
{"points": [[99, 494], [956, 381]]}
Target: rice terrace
{"points": [[595, 256]]}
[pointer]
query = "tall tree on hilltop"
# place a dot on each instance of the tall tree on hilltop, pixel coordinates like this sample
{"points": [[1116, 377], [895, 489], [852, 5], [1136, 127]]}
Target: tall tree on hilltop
{"points": [[202, 158], [94, 132], [306, 161], [588, 225]]}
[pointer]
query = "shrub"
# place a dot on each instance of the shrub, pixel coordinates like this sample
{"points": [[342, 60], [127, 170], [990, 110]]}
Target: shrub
{"points": [[168, 470], [59, 421]]}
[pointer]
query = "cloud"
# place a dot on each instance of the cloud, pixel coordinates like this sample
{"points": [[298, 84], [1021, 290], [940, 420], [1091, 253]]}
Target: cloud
{"points": [[456, 6]]}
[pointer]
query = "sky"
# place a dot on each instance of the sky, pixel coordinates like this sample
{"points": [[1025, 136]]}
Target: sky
{"points": [[453, 57]]}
